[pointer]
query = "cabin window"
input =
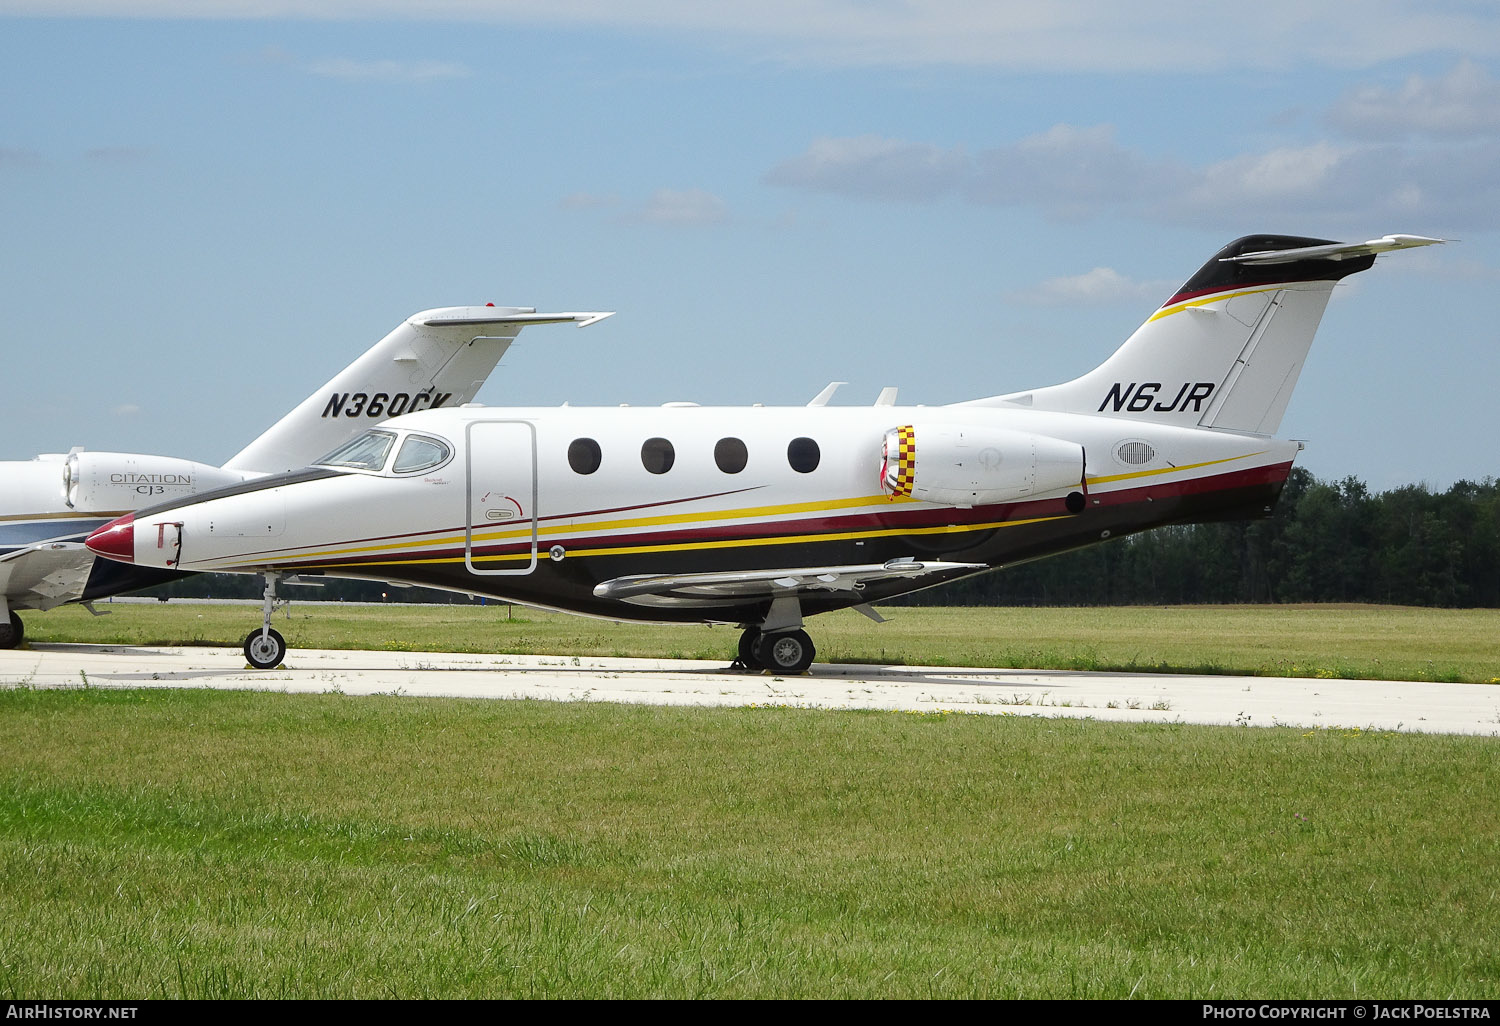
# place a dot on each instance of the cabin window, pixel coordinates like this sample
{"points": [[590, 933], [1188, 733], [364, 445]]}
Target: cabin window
{"points": [[657, 455], [584, 455], [366, 452], [731, 455], [420, 452], [803, 455]]}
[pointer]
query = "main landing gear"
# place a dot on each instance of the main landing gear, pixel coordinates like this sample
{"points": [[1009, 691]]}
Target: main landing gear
{"points": [[12, 632], [788, 652], [265, 648]]}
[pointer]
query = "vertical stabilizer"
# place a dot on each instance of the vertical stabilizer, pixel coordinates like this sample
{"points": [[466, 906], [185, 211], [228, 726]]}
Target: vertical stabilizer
{"points": [[1226, 350], [435, 358]]}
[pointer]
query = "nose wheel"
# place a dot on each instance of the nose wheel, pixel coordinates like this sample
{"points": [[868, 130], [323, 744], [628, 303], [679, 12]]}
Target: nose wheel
{"points": [[265, 649]]}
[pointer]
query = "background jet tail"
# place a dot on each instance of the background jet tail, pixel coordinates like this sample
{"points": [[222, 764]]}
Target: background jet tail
{"points": [[1226, 350], [435, 358]]}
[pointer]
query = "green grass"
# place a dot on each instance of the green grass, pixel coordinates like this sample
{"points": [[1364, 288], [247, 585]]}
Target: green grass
{"points": [[1374, 642], [223, 844]]}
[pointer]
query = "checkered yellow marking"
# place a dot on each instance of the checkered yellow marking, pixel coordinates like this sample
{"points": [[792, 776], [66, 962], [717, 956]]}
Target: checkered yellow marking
{"points": [[905, 462]]}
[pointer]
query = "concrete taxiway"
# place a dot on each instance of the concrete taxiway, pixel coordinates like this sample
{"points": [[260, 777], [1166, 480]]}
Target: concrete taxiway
{"points": [[1121, 697]]}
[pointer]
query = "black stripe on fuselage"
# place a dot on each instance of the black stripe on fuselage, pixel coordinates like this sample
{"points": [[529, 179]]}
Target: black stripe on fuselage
{"points": [[258, 484], [568, 583]]}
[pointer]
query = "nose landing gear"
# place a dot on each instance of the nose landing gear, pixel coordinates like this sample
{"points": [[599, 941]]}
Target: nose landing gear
{"points": [[265, 648]]}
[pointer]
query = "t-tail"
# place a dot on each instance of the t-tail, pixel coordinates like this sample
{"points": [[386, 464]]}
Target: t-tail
{"points": [[434, 358], [1226, 350]]}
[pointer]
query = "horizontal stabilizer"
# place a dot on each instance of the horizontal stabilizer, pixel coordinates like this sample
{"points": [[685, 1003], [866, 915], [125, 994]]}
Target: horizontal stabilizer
{"points": [[1333, 251], [583, 320]]}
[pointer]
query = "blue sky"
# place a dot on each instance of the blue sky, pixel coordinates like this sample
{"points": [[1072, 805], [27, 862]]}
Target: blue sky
{"points": [[208, 208]]}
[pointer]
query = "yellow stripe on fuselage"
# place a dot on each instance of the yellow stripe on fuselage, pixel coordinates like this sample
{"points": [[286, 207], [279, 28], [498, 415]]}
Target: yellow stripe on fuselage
{"points": [[1169, 470], [702, 545], [791, 509], [738, 515], [1220, 297]]}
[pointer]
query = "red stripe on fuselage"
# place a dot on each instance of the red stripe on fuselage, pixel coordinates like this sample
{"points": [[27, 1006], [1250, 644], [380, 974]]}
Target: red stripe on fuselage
{"points": [[884, 521]]}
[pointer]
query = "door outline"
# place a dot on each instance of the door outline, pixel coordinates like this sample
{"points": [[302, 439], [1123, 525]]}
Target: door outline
{"points": [[469, 499]]}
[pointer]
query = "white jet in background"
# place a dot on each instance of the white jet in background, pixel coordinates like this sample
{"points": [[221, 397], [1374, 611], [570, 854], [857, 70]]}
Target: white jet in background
{"points": [[49, 504]]}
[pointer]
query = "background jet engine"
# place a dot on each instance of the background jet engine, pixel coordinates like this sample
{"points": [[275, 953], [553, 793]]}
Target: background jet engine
{"points": [[98, 481], [966, 466]]}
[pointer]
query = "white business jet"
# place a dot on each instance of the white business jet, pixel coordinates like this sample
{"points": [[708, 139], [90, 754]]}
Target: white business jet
{"points": [[762, 517], [48, 505]]}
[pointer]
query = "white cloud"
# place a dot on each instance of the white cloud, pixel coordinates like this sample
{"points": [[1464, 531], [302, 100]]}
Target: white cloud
{"points": [[1276, 174], [1081, 35], [1073, 172], [872, 166], [10, 157], [1097, 287], [688, 208], [1465, 101], [118, 154], [683, 207], [1068, 170]]}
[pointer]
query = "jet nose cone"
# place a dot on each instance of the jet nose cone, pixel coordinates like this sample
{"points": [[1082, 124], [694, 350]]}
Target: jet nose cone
{"points": [[115, 540]]}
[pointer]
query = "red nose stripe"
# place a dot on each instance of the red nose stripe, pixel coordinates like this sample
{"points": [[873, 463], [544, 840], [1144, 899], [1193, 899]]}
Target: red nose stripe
{"points": [[115, 540]]}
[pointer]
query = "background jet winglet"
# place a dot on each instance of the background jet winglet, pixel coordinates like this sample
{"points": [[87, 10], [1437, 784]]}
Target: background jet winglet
{"points": [[484, 315]]}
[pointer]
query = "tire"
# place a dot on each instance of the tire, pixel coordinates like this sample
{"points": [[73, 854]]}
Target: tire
{"points": [[11, 634], [790, 652], [266, 652], [749, 638]]}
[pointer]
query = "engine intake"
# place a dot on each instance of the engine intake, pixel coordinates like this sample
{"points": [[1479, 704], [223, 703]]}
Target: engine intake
{"points": [[113, 481]]}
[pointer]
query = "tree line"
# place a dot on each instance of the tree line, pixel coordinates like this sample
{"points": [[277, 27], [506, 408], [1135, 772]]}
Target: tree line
{"points": [[1326, 542]]}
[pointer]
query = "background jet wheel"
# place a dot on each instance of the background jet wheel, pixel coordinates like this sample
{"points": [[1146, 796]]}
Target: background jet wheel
{"points": [[748, 640], [790, 652], [12, 633], [264, 652]]}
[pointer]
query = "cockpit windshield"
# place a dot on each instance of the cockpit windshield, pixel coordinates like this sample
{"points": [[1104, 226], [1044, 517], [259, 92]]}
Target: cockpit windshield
{"points": [[366, 452], [420, 452]]}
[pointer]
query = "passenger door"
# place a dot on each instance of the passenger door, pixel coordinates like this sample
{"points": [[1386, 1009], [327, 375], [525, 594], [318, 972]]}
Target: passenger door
{"points": [[500, 493]]}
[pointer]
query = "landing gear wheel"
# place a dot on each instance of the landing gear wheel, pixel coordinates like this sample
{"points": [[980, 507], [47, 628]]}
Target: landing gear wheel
{"points": [[12, 633], [790, 652], [264, 650], [748, 640]]}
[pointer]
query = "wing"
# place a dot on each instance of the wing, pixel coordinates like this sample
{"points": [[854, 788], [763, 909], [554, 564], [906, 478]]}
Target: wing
{"points": [[45, 575], [712, 589]]}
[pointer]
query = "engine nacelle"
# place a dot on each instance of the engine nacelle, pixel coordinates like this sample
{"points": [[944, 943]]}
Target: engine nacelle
{"points": [[958, 465], [114, 481]]}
